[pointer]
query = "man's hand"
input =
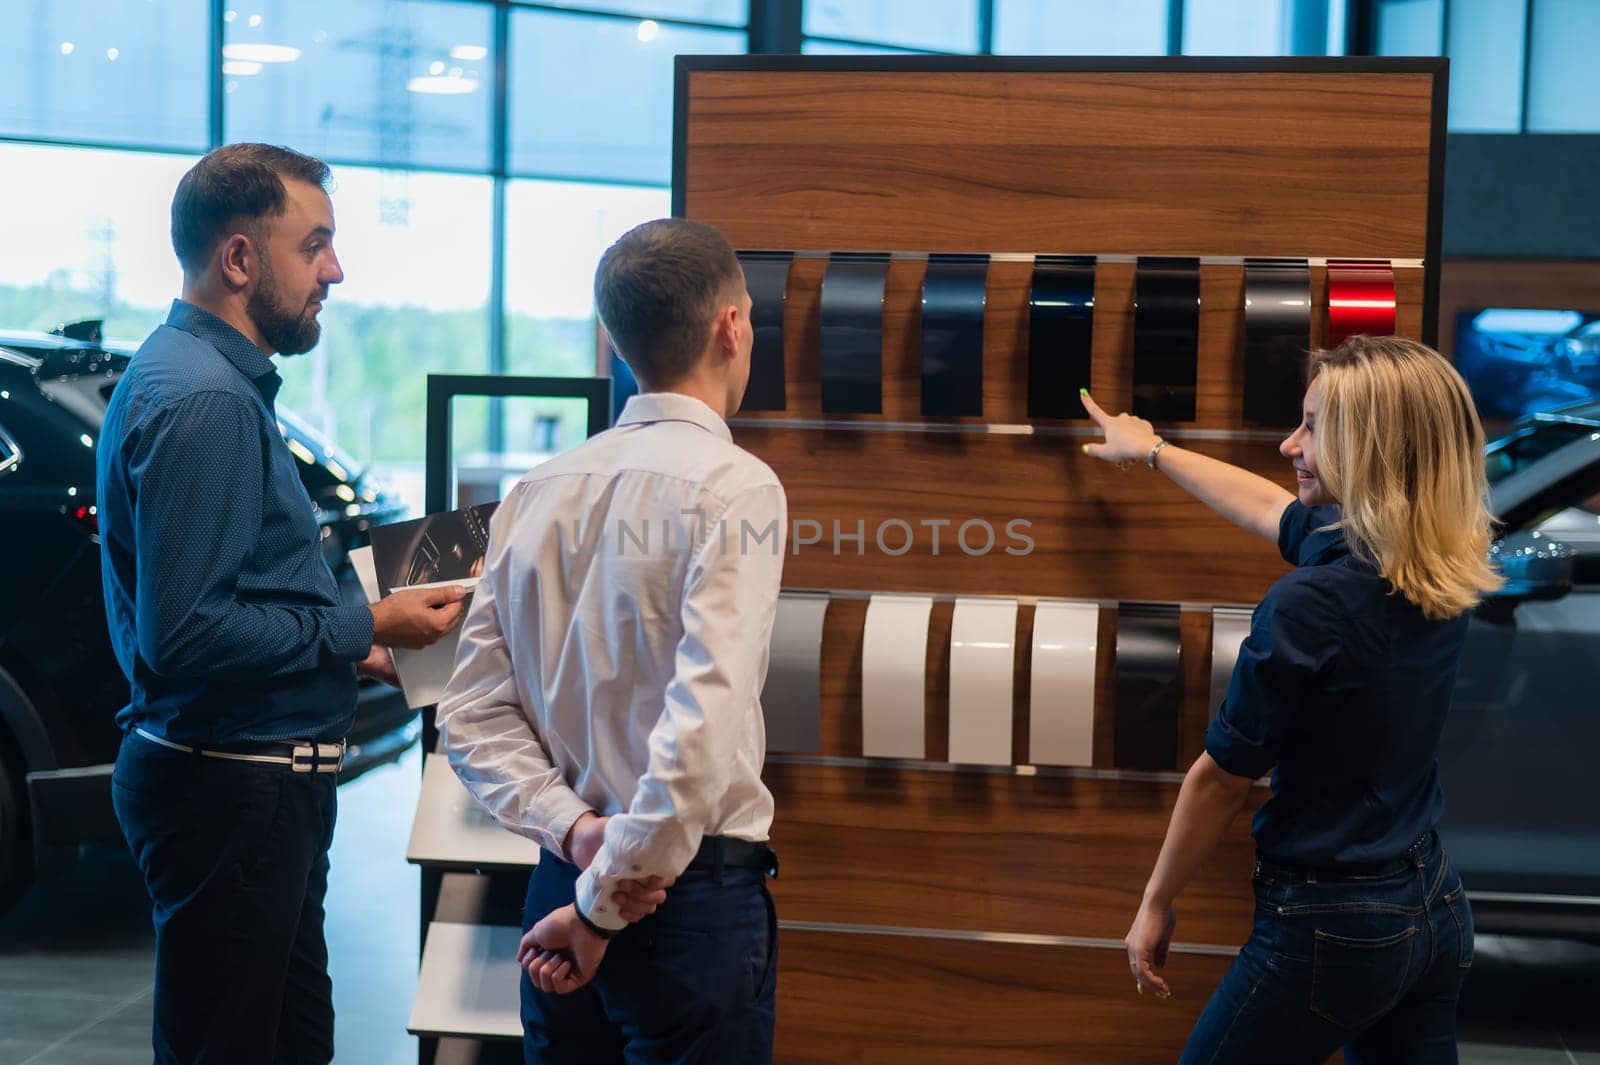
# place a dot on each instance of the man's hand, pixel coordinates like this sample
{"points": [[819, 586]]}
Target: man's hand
{"points": [[637, 899], [584, 838], [380, 666], [559, 953], [417, 617], [1147, 942], [634, 899]]}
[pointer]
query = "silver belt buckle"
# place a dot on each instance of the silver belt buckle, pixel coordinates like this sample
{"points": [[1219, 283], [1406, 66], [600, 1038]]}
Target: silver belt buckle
{"points": [[317, 757]]}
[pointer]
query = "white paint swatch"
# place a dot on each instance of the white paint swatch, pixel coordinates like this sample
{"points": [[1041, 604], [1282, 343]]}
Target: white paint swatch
{"points": [[894, 657], [1061, 683], [983, 639]]}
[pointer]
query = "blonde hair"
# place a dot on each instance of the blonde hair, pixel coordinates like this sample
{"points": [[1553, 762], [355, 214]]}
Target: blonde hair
{"points": [[1400, 446]]}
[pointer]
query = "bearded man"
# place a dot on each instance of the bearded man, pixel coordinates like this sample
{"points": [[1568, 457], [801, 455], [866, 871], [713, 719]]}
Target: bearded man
{"points": [[241, 659]]}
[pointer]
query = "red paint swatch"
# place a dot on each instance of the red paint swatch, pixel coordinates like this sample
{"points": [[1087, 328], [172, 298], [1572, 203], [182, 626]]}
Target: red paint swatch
{"points": [[1360, 299]]}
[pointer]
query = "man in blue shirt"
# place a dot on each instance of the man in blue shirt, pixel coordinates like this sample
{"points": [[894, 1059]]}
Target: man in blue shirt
{"points": [[229, 626]]}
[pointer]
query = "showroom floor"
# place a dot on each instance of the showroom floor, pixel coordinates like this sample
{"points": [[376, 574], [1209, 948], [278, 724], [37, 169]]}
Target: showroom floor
{"points": [[75, 959]]}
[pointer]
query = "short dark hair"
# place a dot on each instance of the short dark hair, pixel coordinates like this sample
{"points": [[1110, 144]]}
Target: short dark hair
{"points": [[237, 185], [657, 288]]}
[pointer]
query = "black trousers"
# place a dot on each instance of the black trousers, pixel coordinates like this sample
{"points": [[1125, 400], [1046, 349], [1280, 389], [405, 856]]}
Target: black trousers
{"points": [[692, 984], [235, 858]]}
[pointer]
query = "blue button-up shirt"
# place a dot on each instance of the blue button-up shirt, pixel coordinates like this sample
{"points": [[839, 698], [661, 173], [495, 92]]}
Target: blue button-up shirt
{"points": [[1342, 689], [222, 610]]}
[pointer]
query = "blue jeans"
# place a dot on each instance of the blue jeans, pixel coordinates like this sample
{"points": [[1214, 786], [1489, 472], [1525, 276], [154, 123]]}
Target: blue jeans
{"points": [[1373, 964], [694, 982]]}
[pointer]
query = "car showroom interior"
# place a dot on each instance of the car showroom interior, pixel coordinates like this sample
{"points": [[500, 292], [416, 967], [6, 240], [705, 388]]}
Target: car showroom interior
{"points": [[1050, 304]]}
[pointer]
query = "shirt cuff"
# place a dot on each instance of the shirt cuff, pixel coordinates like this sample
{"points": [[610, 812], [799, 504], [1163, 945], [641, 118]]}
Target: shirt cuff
{"points": [[593, 900], [557, 821], [1236, 755], [350, 632]]}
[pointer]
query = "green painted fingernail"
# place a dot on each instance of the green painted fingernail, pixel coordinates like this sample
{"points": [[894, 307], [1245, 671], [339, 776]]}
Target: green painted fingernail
{"points": [[1083, 391]]}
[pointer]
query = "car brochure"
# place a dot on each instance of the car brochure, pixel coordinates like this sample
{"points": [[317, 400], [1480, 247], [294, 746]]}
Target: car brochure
{"points": [[444, 549]]}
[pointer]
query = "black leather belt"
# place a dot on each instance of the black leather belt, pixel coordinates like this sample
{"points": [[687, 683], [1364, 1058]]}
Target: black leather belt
{"points": [[1415, 857], [717, 853]]}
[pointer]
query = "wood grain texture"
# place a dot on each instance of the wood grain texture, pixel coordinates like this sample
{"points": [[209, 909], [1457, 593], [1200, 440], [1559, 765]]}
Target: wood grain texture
{"points": [[993, 852], [1097, 532], [1163, 163], [889, 1000]]}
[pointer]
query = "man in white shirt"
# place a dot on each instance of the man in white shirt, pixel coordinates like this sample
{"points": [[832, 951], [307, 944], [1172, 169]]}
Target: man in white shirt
{"points": [[605, 700]]}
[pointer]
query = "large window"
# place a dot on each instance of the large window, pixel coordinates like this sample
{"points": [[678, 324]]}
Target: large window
{"points": [[401, 83], [115, 73], [1516, 66], [1563, 93], [86, 233], [415, 248], [931, 25], [1078, 27], [1081, 27], [402, 97], [591, 97], [555, 234], [718, 12], [1263, 27]]}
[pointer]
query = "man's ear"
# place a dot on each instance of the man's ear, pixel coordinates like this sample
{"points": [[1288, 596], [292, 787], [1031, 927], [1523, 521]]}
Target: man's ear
{"points": [[727, 328], [238, 260]]}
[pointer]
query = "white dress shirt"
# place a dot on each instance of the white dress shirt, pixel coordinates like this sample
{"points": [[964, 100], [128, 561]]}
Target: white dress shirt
{"points": [[614, 653]]}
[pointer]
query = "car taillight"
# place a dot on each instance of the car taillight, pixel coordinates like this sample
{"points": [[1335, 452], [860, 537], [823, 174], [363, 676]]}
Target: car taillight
{"points": [[87, 518]]}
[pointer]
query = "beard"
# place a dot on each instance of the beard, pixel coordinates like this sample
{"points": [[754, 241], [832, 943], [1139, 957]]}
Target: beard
{"points": [[288, 331]]}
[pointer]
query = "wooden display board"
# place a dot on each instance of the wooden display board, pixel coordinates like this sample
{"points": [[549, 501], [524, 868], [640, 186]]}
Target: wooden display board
{"points": [[940, 913]]}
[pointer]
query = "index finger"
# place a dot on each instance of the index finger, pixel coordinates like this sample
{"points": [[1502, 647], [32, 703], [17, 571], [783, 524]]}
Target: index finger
{"points": [[1100, 416]]}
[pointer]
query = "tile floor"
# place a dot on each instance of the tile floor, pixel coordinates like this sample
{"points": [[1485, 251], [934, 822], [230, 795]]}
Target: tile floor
{"points": [[75, 959]]}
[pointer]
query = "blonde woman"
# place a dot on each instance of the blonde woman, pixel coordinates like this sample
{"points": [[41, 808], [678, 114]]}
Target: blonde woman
{"points": [[1362, 934]]}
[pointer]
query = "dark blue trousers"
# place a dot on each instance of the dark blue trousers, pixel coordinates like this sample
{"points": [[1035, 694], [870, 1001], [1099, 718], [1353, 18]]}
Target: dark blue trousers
{"points": [[1372, 964], [235, 858], [692, 983]]}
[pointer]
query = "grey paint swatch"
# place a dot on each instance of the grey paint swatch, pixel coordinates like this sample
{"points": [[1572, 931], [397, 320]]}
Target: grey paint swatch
{"points": [[792, 698], [1229, 626], [1277, 334]]}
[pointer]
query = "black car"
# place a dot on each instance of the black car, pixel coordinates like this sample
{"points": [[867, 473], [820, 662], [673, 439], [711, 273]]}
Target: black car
{"points": [[1516, 759], [60, 685]]}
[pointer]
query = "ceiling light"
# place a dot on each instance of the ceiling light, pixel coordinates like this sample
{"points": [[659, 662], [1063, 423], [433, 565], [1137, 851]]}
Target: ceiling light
{"points": [[436, 68], [67, 47], [229, 15], [469, 52], [261, 53], [443, 86], [254, 20], [648, 29], [243, 68], [112, 53]]}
